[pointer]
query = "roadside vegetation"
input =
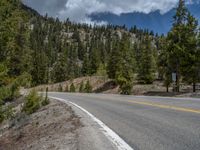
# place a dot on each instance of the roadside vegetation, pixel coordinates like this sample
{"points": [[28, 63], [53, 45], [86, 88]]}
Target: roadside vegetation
{"points": [[83, 87], [88, 87], [10, 92], [33, 102], [49, 51], [72, 88]]}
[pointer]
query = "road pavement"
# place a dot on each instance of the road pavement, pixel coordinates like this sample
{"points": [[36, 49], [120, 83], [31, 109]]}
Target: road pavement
{"points": [[145, 123]]}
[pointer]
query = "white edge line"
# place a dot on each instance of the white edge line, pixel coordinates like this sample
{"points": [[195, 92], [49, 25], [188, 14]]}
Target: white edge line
{"points": [[109, 133]]}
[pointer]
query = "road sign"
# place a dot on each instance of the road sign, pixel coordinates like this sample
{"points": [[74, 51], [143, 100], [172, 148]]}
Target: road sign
{"points": [[174, 77]]}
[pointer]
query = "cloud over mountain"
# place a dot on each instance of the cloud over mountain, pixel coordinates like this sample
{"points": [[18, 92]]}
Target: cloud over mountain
{"points": [[79, 10]]}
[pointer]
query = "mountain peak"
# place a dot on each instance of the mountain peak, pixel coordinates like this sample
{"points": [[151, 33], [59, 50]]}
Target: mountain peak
{"points": [[160, 23]]}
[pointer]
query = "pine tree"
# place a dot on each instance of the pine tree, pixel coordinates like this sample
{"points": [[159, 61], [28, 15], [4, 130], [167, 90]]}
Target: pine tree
{"points": [[13, 36], [189, 61], [73, 67], [66, 88], [101, 71], [88, 87], [113, 61], [59, 72], [94, 61], [164, 68], [85, 65], [147, 65], [39, 58], [182, 47], [176, 38], [77, 38], [125, 66], [81, 88]]}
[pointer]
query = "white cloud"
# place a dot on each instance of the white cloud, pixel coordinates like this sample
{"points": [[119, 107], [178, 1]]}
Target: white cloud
{"points": [[79, 10]]}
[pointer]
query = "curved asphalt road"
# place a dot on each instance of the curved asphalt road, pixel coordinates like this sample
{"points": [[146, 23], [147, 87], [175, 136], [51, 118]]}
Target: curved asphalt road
{"points": [[146, 123]]}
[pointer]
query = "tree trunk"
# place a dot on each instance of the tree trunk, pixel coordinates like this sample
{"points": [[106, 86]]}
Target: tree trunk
{"points": [[167, 88], [194, 87], [177, 83]]}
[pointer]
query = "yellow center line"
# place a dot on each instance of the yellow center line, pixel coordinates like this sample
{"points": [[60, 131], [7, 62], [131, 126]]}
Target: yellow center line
{"points": [[154, 105], [166, 107]]}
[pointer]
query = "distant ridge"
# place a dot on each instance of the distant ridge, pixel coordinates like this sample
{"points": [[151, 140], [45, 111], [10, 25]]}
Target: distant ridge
{"points": [[159, 23]]}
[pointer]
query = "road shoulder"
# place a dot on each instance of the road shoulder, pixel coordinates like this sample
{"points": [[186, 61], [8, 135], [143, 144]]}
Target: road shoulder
{"points": [[90, 135], [54, 126]]}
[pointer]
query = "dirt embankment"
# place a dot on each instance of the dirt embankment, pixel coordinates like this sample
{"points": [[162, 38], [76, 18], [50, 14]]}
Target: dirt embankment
{"points": [[54, 126], [104, 85], [95, 81]]}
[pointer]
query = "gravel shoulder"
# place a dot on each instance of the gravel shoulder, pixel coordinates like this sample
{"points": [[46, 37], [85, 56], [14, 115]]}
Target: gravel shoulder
{"points": [[57, 126], [90, 135]]}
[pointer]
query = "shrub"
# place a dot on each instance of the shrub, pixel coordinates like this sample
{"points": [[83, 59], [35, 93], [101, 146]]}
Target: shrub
{"points": [[24, 80], [32, 102], [2, 117], [88, 87], [6, 112], [81, 88], [10, 92], [60, 89], [14, 88], [72, 88], [125, 85], [126, 89], [66, 88], [5, 94], [3, 75]]}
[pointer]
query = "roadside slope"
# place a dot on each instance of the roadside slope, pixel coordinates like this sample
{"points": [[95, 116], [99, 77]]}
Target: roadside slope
{"points": [[55, 126]]}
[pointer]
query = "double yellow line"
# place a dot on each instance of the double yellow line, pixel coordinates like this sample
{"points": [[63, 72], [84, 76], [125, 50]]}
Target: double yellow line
{"points": [[152, 104]]}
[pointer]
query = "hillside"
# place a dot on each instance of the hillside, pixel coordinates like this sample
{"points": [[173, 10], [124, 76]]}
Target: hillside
{"points": [[46, 50], [37, 52], [65, 50]]}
